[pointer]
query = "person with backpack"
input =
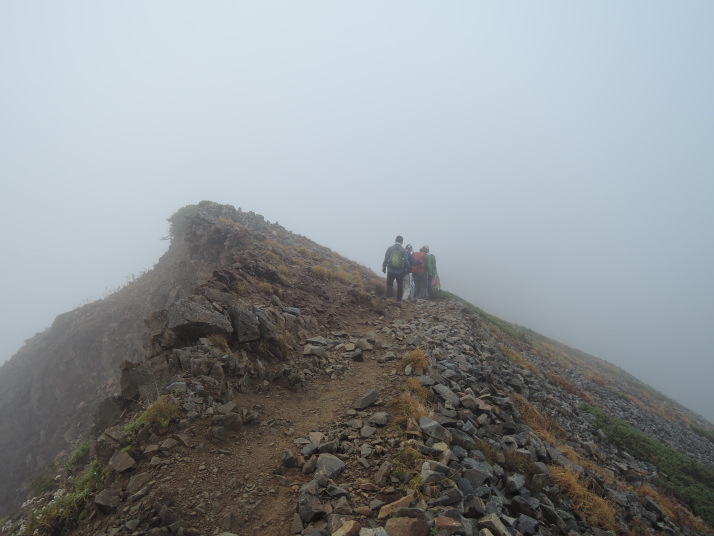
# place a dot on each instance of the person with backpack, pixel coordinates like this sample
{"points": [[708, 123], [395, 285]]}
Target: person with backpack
{"points": [[419, 271], [409, 277], [432, 277], [396, 266]]}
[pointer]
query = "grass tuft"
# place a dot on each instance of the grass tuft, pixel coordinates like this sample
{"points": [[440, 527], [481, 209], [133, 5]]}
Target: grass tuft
{"points": [[593, 508], [544, 426], [406, 406], [417, 359], [379, 286], [62, 513], [322, 272], [161, 413], [219, 341], [265, 288], [517, 358], [416, 389], [674, 510], [80, 455]]}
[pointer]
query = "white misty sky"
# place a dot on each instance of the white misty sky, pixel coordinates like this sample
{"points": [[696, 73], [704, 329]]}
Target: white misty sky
{"points": [[556, 156]]}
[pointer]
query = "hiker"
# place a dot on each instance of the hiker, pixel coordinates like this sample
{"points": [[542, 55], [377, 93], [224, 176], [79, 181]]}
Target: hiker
{"points": [[409, 277], [432, 277], [419, 271], [396, 266]]}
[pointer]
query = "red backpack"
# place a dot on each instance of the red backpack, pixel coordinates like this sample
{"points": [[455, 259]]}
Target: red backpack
{"points": [[420, 257]]}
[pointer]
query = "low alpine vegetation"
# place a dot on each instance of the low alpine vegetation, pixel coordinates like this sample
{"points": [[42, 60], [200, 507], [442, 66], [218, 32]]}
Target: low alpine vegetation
{"points": [[417, 359], [594, 509], [406, 406], [708, 434], [160, 413], [416, 389], [219, 341], [674, 510], [64, 511], [544, 426], [380, 288], [80, 455], [687, 480], [322, 272]]}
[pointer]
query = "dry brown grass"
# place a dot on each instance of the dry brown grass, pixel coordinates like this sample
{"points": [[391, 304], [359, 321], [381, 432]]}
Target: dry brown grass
{"points": [[219, 341], [489, 451], [544, 426], [548, 429], [322, 272], [283, 270], [565, 385], [304, 252], [417, 359], [405, 462], [517, 358], [344, 277], [417, 390], [408, 456], [379, 286], [266, 288], [241, 288], [271, 257], [591, 466], [674, 510], [593, 508], [406, 406]]}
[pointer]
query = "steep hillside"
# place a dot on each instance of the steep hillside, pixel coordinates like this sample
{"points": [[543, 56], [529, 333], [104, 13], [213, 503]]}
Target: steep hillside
{"points": [[280, 393], [50, 388]]}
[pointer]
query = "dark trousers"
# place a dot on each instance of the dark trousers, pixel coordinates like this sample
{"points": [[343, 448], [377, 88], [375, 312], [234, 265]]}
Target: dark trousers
{"points": [[420, 283], [399, 278]]}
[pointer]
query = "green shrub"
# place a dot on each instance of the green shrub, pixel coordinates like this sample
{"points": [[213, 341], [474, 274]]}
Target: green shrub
{"points": [[687, 480], [161, 412], [79, 456], [63, 512], [404, 463], [707, 434], [134, 426]]}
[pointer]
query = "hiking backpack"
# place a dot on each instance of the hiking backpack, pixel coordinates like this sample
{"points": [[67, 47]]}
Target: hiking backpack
{"points": [[396, 259], [430, 264], [420, 267]]}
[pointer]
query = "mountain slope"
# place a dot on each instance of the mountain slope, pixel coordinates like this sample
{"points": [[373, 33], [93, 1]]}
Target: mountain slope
{"points": [[263, 342]]}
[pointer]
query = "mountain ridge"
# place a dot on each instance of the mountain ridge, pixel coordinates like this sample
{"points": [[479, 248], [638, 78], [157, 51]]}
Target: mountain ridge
{"points": [[221, 257]]}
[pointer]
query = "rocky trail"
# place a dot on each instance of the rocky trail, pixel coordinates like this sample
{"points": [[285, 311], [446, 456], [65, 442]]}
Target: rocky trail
{"points": [[469, 466], [238, 482], [299, 400]]}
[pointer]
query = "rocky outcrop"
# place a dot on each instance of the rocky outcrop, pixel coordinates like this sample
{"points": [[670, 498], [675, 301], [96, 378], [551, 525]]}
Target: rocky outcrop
{"points": [[51, 387]]}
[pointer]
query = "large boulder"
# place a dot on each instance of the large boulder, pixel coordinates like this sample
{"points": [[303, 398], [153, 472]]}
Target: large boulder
{"points": [[195, 317]]}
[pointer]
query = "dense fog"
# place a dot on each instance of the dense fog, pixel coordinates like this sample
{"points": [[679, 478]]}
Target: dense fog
{"points": [[555, 157]]}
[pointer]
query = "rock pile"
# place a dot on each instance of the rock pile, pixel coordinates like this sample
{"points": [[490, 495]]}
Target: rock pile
{"points": [[473, 466]]}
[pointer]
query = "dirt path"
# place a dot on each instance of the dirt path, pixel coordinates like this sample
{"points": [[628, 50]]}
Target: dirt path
{"points": [[242, 475]]}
